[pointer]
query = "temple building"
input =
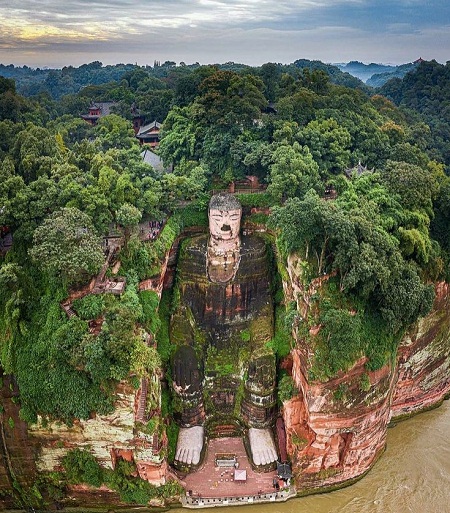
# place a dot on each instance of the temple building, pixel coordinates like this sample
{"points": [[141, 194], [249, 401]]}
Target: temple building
{"points": [[149, 134], [97, 110], [358, 170]]}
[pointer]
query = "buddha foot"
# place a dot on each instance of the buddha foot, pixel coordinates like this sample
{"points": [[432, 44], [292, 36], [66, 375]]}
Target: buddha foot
{"points": [[262, 446], [189, 445]]}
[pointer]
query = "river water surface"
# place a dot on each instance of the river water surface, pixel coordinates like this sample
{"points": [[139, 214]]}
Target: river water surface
{"points": [[413, 475]]}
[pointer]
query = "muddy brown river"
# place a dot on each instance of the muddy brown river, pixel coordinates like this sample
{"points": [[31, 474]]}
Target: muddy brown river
{"points": [[412, 476]]}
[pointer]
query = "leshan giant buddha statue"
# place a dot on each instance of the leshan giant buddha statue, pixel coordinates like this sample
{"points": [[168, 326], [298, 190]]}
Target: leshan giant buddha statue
{"points": [[223, 369]]}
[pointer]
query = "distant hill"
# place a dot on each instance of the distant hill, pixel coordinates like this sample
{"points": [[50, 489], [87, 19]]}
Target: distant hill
{"points": [[375, 75], [379, 79], [365, 71], [426, 89], [71, 80]]}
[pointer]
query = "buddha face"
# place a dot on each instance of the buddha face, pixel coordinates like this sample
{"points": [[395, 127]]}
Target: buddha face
{"points": [[224, 224]]}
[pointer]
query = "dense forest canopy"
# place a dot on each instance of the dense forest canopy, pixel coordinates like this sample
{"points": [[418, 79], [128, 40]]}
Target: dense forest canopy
{"points": [[301, 129]]}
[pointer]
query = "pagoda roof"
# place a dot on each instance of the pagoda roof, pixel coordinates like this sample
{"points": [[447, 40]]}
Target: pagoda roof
{"points": [[91, 116], [105, 107], [358, 170], [143, 130]]}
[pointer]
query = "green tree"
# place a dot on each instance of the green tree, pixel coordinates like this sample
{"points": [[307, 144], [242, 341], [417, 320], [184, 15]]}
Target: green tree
{"points": [[416, 186], [293, 172], [115, 132], [228, 99], [328, 143], [34, 152], [270, 74], [128, 217], [66, 245], [177, 136]]}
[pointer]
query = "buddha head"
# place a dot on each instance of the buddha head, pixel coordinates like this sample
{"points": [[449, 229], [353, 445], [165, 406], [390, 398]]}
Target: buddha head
{"points": [[224, 242], [224, 217]]}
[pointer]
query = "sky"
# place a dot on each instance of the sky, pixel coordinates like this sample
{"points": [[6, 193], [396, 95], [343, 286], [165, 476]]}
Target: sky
{"points": [[56, 33]]}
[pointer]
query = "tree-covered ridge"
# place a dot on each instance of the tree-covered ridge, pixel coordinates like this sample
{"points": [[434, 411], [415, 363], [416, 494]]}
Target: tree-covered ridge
{"points": [[70, 79], [426, 90], [60, 193], [64, 185], [375, 75], [375, 246]]}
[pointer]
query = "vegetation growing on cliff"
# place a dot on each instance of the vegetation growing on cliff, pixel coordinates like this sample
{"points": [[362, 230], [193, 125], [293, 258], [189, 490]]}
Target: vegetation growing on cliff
{"points": [[377, 249], [81, 467]]}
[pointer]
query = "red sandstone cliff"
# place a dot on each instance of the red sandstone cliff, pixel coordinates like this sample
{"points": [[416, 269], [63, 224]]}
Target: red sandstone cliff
{"points": [[424, 360], [336, 430], [331, 437], [336, 437]]}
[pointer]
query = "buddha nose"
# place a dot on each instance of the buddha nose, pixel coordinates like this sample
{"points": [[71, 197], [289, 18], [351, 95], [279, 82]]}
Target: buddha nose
{"points": [[226, 228]]}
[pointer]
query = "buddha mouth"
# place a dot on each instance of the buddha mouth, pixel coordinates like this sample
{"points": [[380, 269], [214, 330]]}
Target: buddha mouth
{"points": [[226, 228]]}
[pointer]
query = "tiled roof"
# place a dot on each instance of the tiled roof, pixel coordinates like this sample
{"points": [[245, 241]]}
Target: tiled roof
{"points": [[105, 107], [147, 128], [154, 160]]}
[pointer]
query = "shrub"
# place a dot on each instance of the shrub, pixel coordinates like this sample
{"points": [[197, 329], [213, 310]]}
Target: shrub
{"points": [[258, 218], [195, 214], [282, 341], [341, 392], [164, 346], [261, 200], [89, 307], [172, 436], [286, 388], [82, 467], [364, 384], [245, 335], [150, 302]]}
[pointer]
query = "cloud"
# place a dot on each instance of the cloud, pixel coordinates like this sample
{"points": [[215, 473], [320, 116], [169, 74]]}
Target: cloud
{"points": [[51, 32]]}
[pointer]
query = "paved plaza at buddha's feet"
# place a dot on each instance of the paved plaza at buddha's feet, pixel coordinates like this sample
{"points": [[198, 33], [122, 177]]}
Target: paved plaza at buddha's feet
{"points": [[218, 482]]}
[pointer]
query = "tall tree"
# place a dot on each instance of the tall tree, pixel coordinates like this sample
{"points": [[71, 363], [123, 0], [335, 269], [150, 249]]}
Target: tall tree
{"points": [[293, 172], [66, 246], [128, 217]]}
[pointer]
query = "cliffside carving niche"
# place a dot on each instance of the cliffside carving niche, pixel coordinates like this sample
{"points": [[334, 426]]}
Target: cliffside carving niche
{"points": [[224, 374]]}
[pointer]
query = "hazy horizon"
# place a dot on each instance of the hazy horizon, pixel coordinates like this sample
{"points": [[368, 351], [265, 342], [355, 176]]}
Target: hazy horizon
{"points": [[340, 63]]}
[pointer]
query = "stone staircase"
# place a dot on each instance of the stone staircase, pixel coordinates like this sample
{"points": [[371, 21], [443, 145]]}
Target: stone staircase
{"points": [[140, 413], [67, 307], [224, 431]]}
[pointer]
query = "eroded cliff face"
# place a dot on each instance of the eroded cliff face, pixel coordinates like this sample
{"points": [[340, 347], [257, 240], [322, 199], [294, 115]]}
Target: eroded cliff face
{"points": [[107, 437], [337, 429], [424, 360], [17, 451], [335, 436], [26, 452]]}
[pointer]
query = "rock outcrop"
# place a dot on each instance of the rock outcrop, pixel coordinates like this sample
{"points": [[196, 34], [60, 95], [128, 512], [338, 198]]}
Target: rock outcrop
{"points": [[424, 360], [336, 430], [17, 451], [107, 437], [335, 436]]}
